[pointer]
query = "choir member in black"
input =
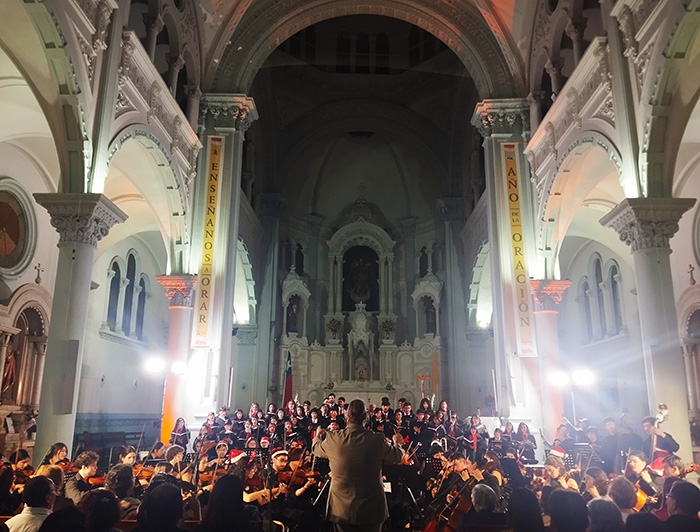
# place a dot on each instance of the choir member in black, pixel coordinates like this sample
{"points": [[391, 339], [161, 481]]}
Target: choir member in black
{"points": [[664, 441], [375, 420], [314, 422], [245, 435], [453, 427], [508, 431], [469, 445], [645, 480], [302, 418], [496, 444], [526, 444], [223, 416], [480, 427], [257, 428], [238, 420], [436, 428], [78, 484], [227, 434], [300, 429], [425, 407], [408, 413], [335, 417], [180, 435], [562, 439], [273, 439], [387, 412]]}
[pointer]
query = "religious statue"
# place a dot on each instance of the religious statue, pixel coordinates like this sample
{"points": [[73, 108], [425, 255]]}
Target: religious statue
{"points": [[8, 374], [361, 287], [292, 318], [430, 322]]}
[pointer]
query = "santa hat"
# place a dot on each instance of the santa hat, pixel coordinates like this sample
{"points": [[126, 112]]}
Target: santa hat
{"points": [[558, 451]]}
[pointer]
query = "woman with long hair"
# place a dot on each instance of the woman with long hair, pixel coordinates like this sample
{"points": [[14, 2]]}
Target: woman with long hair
{"points": [[526, 444], [595, 484], [58, 454], [180, 435]]}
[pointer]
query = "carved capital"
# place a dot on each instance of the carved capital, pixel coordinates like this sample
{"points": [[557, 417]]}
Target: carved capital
{"points": [[272, 204], [626, 22], [193, 92], [647, 223], [155, 24], [506, 116], [547, 294], [452, 209], [81, 218], [176, 62], [553, 66], [574, 30], [179, 289], [230, 111]]}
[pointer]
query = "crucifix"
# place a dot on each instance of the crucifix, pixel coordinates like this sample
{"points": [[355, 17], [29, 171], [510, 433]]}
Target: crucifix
{"points": [[422, 377], [39, 271]]}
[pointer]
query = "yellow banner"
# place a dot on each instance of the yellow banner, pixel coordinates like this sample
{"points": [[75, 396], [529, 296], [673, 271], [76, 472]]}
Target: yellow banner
{"points": [[523, 327], [206, 270]]}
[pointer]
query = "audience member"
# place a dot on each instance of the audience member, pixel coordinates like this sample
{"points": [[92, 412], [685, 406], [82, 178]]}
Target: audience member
{"points": [[524, 511], [622, 493], [568, 512], [643, 523], [226, 508], [683, 503], [604, 516], [39, 496], [120, 481], [101, 509], [68, 519], [484, 501]]}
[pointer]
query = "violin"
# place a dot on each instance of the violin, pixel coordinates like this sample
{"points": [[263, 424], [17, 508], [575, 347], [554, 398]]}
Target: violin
{"points": [[22, 475], [296, 479], [65, 464], [142, 472]]}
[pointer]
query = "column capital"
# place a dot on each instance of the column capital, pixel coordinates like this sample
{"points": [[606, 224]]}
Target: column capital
{"points": [[272, 204], [154, 23], [647, 223], [233, 111], [179, 289], [175, 62], [81, 218], [501, 116], [574, 30], [553, 66], [452, 209], [548, 293]]}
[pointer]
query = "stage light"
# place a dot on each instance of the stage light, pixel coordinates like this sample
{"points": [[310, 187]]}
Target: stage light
{"points": [[583, 377], [559, 379], [155, 365], [482, 324]]}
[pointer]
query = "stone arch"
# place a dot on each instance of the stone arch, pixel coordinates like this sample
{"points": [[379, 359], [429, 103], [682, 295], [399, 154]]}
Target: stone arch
{"points": [[461, 26], [32, 296], [673, 92], [174, 224], [551, 205], [361, 234], [480, 305], [53, 82], [246, 284]]}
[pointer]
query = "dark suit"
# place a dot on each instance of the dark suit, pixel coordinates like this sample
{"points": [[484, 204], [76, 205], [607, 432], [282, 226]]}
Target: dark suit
{"points": [[356, 494]]}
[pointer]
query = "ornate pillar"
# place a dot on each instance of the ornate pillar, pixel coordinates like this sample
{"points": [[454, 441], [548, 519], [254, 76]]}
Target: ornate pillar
{"points": [[225, 118], [175, 64], [647, 226], [690, 364], [81, 221], [123, 286], [547, 295], [504, 124], [154, 25], [179, 290]]}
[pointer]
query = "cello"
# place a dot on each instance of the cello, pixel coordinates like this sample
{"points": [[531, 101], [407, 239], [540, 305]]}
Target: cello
{"points": [[447, 519]]}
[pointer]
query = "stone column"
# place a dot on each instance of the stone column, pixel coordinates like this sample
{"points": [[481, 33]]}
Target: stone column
{"points": [[226, 117], [175, 64], [647, 226], [40, 353], [81, 221], [194, 96], [154, 25], [535, 101], [553, 68], [690, 363], [123, 286], [547, 295], [452, 210], [505, 123], [134, 309], [179, 290], [575, 33]]}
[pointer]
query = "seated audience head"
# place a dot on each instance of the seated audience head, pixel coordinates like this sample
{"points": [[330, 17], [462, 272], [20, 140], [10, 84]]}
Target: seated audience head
{"points": [[54, 472], [484, 498], [673, 466], [568, 511], [524, 512], [68, 519], [644, 522], [39, 492], [101, 510], [683, 499], [604, 516], [163, 506], [225, 503], [120, 480], [623, 493]]}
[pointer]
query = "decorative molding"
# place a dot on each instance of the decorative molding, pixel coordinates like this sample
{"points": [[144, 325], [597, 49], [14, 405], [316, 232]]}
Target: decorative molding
{"points": [[361, 234], [429, 286], [647, 223], [548, 294], [179, 289], [233, 111], [81, 218]]}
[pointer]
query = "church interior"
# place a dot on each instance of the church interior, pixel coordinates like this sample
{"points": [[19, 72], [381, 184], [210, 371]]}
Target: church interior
{"points": [[487, 202]]}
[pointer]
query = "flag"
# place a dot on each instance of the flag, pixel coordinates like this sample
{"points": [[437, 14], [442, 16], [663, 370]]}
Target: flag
{"points": [[288, 380], [435, 377]]}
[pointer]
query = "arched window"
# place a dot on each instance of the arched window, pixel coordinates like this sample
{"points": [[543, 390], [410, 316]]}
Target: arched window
{"points": [[342, 52], [129, 293], [141, 308], [600, 303], [362, 53], [616, 296], [382, 54], [113, 302]]}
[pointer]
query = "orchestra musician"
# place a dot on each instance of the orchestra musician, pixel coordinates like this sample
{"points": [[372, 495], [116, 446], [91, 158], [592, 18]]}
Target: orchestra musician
{"points": [[664, 441], [595, 484], [20, 463], [57, 454], [643, 478], [78, 485], [555, 471], [180, 435]]}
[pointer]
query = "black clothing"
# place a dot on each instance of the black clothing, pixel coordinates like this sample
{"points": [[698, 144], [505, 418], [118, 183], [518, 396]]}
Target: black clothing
{"points": [[484, 518], [76, 487], [682, 523], [667, 443]]}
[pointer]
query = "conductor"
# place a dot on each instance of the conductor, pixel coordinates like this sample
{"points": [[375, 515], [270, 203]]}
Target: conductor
{"points": [[356, 501]]}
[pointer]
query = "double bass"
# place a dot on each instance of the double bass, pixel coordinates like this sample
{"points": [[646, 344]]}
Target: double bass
{"points": [[446, 518]]}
